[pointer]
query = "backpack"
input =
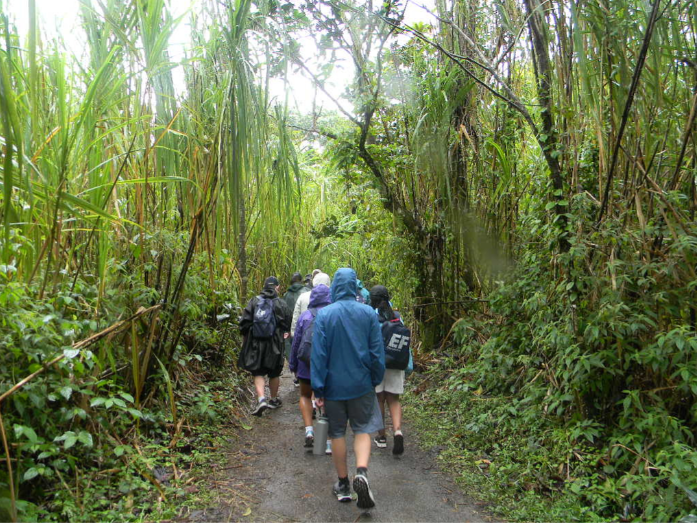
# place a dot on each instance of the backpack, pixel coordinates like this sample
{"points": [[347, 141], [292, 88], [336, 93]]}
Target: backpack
{"points": [[264, 324], [305, 349], [397, 339]]}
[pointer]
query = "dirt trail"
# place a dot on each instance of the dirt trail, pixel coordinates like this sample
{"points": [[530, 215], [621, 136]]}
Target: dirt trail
{"points": [[282, 481]]}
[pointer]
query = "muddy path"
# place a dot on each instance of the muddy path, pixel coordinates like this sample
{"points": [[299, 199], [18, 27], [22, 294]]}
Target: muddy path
{"points": [[269, 476]]}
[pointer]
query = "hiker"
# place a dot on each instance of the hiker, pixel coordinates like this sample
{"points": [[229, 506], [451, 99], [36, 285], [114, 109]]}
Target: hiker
{"points": [[304, 299], [320, 297], [265, 323], [362, 296], [396, 338], [291, 296], [308, 282], [347, 363]]}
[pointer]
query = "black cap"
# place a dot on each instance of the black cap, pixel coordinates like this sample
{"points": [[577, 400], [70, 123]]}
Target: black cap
{"points": [[271, 280]]}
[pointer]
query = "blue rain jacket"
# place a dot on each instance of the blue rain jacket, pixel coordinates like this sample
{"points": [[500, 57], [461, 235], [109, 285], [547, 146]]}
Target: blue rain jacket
{"points": [[348, 356]]}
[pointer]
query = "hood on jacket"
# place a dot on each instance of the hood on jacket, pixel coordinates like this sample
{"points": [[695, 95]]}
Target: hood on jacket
{"points": [[321, 279], [320, 296], [345, 285], [360, 284], [296, 287]]}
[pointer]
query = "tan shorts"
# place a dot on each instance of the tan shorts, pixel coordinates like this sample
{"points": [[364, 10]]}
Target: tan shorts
{"points": [[393, 382]]}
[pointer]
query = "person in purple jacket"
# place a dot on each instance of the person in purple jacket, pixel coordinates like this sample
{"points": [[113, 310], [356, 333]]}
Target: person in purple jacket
{"points": [[320, 297]]}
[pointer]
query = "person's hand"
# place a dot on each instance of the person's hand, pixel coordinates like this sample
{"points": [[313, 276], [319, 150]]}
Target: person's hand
{"points": [[286, 335], [319, 402]]}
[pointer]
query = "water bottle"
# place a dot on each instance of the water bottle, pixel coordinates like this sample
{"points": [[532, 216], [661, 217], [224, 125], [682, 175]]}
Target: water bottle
{"points": [[321, 431]]}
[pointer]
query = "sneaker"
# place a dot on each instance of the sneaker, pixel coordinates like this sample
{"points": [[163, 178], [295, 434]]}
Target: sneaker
{"points": [[261, 407], [342, 491], [381, 441], [328, 450], [398, 445], [275, 403], [296, 382], [309, 440], [362, 488]]}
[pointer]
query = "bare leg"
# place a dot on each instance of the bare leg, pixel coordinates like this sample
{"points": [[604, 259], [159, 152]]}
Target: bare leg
{"points": [[260, 385], [273, 385], [381, 403], [395, 411], [361, 446], [306, 403], [339, 456]]}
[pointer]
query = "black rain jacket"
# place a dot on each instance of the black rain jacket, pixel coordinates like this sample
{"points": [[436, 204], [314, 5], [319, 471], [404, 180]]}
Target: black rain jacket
{"points": [[264, 355]]}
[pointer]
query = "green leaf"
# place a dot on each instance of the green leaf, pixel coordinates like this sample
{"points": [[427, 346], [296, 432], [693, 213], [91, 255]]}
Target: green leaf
{"points": [[70, 353], [30, 474], [66, 392], [85, 438], [127, 396], [96, 402], [70, 441]]}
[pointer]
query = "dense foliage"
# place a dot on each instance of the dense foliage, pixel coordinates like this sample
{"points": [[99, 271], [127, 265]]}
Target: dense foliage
{"points": [[520, 171]]}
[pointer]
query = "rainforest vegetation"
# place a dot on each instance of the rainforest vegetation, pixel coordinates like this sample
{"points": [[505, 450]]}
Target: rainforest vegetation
{"points": [[520, 173]]}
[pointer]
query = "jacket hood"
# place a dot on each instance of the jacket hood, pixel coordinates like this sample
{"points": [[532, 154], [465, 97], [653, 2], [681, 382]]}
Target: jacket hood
{"points": [[360, 284], [344, 285], [321, 278], [320, 296], [269, 291], [296, 287]]}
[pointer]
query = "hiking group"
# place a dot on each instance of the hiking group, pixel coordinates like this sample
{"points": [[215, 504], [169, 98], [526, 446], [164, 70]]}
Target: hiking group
{"points": [[347, 347]]}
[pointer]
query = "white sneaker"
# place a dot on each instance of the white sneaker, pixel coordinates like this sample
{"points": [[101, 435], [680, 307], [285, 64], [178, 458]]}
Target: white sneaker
{"points": [[328, 450]]}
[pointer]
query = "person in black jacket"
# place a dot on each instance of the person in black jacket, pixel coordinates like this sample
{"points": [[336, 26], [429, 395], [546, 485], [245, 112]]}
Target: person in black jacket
{"points": [[263, 356]]}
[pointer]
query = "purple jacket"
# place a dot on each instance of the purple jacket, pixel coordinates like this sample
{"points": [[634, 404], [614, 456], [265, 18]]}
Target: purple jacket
{"points": [[320, 297]]}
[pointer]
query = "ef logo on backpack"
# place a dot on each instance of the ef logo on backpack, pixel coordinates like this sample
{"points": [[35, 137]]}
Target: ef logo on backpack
{"points": [[397, 339]]}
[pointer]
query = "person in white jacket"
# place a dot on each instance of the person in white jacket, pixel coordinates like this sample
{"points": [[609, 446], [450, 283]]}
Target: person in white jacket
{"points": [[304, 299]]}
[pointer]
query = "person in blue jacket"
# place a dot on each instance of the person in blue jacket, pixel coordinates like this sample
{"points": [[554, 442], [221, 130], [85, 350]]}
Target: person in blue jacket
{"points": [[347, 363]]}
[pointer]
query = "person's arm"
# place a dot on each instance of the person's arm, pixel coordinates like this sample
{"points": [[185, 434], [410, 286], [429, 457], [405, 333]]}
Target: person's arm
{"points": [[285, 316], [296, 316], [319, 358], [376, 348], [247, 317]]}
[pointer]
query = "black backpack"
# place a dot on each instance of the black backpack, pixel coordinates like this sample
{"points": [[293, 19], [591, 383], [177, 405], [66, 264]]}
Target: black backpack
{"points": [[264, 324], [397, 339], [305, 349]]}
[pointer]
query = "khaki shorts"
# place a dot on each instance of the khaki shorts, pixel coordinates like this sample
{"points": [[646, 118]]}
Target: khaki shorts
{"points": [[393, 382]]}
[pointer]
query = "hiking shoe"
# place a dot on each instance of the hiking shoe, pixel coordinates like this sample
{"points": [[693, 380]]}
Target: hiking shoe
{"points": [[398, 445], [328, 450], [342, 491], [261, 407], [381, 441], [362, 488], [309, 440], [275, 403]]}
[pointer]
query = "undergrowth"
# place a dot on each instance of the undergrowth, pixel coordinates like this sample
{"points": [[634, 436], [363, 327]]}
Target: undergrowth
{"points": [[570, 394], [94, 437]]}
